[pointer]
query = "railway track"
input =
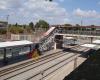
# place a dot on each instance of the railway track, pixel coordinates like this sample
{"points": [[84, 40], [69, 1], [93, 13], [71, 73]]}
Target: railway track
{"points": [[30, 66], [22, 72], [23, 65], [54, 68], [48, 59]]}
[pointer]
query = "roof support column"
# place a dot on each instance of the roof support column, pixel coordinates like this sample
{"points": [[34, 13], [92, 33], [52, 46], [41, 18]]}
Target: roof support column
{"points": [[5, 58], [91, 39]]}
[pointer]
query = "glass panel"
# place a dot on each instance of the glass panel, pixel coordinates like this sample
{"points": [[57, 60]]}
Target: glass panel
{"points": [[15, 51], [1, 53], [25, 50], [8, 52]]}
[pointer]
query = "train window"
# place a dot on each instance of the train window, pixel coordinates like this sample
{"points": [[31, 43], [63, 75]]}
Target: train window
{"points": [[25, 50], [15, 51], [1, 53], [9, 53]]}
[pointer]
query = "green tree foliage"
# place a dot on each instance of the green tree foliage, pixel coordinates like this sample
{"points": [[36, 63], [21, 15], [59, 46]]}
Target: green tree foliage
{"points": [[42, 24], [29, 29], [93, 27], [68, 25], [16, 30], [77, 25], [16, 24], [31, 25], [3, 31]]}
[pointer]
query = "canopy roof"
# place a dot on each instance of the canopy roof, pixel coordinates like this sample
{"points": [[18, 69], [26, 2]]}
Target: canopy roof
{"points": [[14, 43], [69, 37], [92, 46], [96, 41], [89, 45]]}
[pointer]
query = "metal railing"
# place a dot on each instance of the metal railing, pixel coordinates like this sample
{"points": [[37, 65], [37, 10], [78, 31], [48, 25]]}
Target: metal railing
{"points": [[94, 33], [47, 42]]}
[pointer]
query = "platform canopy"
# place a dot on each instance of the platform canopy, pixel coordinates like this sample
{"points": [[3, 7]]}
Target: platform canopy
{"points": [[89, 45], [69, 38], [92, 46], [14, 43], [96, 41]]}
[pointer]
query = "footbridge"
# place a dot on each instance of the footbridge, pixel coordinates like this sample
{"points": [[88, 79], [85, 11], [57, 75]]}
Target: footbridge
{"points": [[48, 39]]}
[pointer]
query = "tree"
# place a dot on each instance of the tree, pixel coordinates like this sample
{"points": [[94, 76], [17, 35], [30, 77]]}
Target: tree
{"points": [[16, 30], [77, 25], [3, 31], [68, 25], [31, 25], [42, 24], [93, 27], [37, 25], [16, 24]]}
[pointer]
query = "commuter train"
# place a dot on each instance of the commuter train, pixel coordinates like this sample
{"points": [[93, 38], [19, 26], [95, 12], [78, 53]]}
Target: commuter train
{"points": [[16, 51]]}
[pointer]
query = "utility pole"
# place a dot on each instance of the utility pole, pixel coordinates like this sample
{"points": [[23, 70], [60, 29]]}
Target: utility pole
{"points": [[81, 23], [7, 18]]}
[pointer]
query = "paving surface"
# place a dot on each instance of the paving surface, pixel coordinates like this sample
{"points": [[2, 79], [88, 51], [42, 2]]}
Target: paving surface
{"points": [[89, 70]]}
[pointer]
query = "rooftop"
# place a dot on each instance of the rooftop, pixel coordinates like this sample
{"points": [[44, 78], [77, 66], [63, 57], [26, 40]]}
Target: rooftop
{"points": [[14, 43]]}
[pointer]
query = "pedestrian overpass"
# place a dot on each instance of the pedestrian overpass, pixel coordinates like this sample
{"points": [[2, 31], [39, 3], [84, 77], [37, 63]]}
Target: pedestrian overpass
{"points": [[48, 39]]}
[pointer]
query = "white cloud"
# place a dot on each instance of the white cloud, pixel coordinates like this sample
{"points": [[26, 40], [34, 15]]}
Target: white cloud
{"points": [[2, 4], [88, 13], [33, 10], [8, 4]]}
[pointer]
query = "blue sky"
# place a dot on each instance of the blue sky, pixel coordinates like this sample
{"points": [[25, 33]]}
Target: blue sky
{"points": [[56, 12]]}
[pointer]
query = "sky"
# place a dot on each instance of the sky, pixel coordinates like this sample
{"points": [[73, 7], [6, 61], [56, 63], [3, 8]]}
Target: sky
{"points": [[55, 12]]}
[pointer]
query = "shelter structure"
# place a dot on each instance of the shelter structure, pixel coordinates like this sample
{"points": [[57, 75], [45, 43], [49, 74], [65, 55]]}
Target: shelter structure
{"points": [[92, 46], [96, 41]]}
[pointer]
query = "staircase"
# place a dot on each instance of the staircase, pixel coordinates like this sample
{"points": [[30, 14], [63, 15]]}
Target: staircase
{"points": [[47, 42]]}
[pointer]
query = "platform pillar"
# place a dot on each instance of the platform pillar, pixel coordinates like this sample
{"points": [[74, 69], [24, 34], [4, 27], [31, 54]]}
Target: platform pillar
{"points": [[58, 42], [5, 58], [55, 46]]}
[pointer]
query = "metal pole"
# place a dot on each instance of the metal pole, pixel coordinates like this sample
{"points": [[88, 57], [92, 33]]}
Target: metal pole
{"points": [[7, 25], [91, 39], [81, 23]]}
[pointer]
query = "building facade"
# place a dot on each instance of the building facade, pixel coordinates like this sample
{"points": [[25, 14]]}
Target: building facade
{"points": [[3, 24]]}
